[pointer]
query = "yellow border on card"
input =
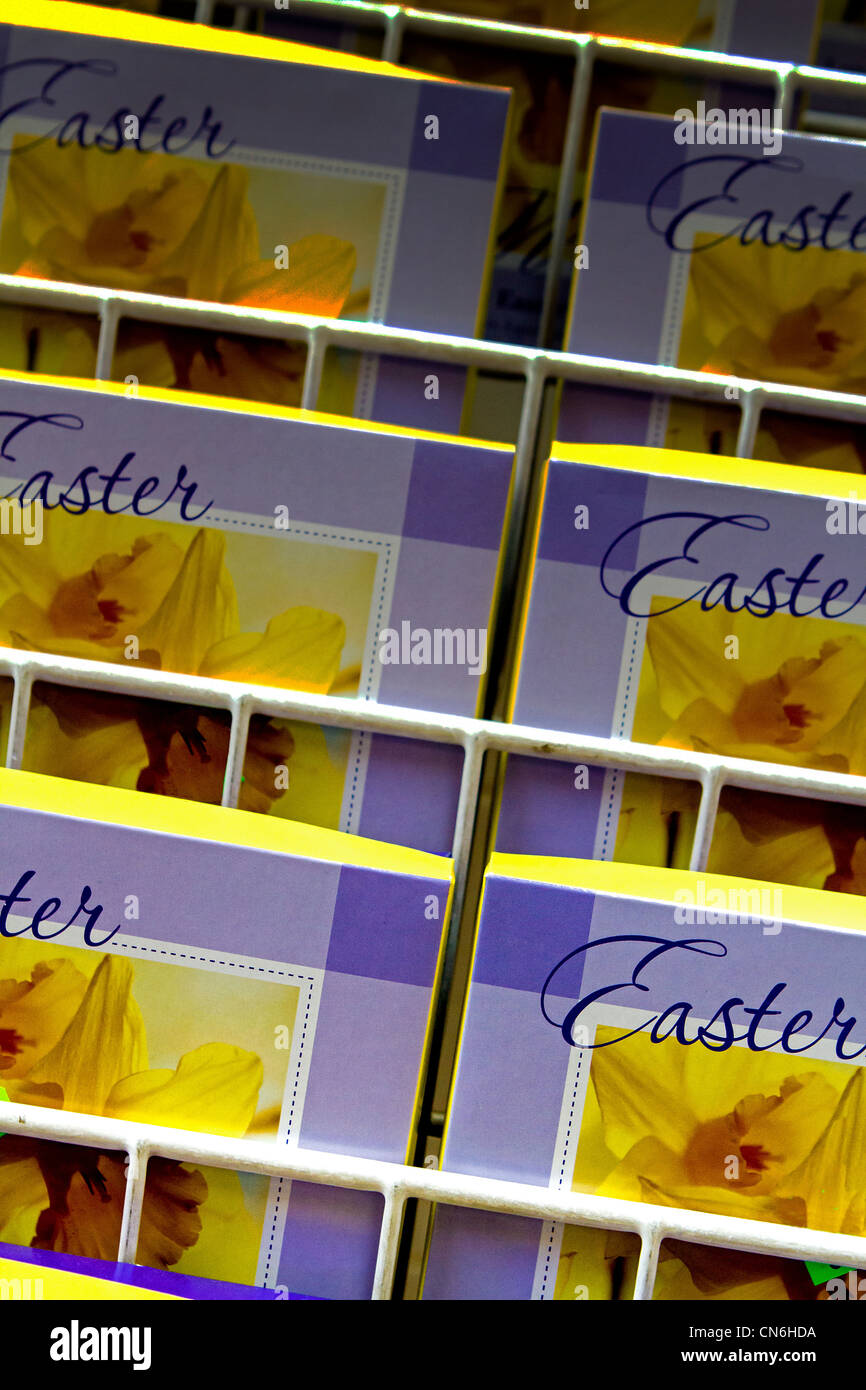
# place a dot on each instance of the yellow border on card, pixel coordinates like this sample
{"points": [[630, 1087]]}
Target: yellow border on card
{"points": [[526, 596], [66, 1284], [814, 906], [449, 1105], [715, 468], [241, 407], [34, 791], [67, 17], [427, 1047]]}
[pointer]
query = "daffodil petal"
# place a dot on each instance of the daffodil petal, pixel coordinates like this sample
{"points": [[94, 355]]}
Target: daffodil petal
{"points": [[199, 610], [136, 590], [22, 1196], [317, 279], [687, 648], [222, 237], [214, 1089], [23, 569], [109, 757], [104, 1042], [831, 1181], [228, 1245], [727, 1201], [300, 648], [39, 1010], [640, 1091]]}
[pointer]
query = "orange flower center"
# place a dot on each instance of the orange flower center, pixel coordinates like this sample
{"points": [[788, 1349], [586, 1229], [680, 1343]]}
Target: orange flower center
{"points": [[722, 1153], [800, 340], [114, 239]]}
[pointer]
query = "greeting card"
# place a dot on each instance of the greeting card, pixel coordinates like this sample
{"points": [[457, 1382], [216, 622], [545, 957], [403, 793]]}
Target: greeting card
{"points": [[722, 245], [701, 603], [693, 1041], [186, 965], [260, 546], [150, 155]]}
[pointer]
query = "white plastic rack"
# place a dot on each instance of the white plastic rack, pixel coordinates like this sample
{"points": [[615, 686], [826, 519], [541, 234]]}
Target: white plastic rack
{"points": [[399, 1183]]}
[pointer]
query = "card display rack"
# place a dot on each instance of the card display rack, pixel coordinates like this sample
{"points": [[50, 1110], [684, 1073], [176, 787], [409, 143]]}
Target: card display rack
{"points": [[537, 368]]}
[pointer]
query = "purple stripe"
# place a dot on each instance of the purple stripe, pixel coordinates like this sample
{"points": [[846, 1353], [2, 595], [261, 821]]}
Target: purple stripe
{"points": [[139, 1276]]}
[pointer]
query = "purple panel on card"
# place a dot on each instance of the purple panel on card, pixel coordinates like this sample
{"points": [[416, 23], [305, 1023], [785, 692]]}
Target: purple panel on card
{"points": [[386, 927], [480, 1255], [369, 1041], [457, 495], [631, 158], [614, 501], [542, 811], [465, 141], [521, 957], [503, 1117], [403, 394], [781, 30], [440, 587], [584, 637], [330, 1241], [443, 240], [595, 415], [411, 791]]}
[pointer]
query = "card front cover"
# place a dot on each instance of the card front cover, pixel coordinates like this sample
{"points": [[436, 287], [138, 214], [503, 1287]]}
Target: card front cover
{"points": [[718, 253], [142, 154], [262, 546], [693, 1041], [210, 970], [708, 604]]}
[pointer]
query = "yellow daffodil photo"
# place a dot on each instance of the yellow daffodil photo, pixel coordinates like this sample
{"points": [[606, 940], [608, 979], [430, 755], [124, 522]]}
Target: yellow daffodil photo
{"points": [[776, 314], [598, 1265], [781, 438], [284, 240], [757, 835], [762, 1136], [159, 224], [657, 820], [114, 589], [796, 695], [601, 1266], [82, 1030], [51, 342], [291, 769], [788, 839], [210, 364], [696, 1273], [118, 590]]}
